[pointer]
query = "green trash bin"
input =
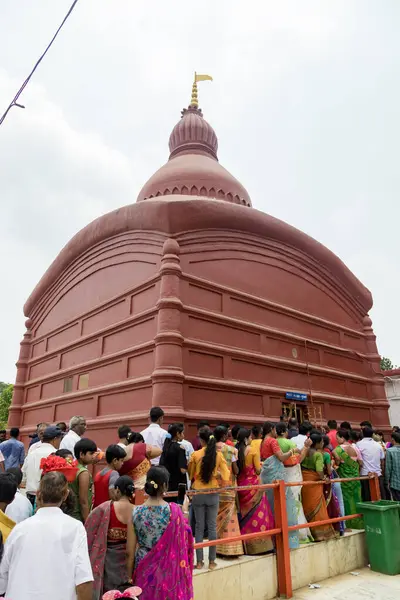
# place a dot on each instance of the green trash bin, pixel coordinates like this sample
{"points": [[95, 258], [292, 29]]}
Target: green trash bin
{"points": [[382, 529]]}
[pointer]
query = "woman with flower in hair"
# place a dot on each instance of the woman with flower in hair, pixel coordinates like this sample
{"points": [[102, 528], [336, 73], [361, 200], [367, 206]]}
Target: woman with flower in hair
{"points": [[63, 463], [107, 529], [162, 542]]}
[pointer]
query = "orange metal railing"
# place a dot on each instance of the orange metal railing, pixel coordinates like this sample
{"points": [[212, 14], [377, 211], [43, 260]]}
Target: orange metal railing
{"points": [[282, 528]]}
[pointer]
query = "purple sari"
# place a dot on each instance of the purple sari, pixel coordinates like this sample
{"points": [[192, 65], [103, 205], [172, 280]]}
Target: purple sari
{"points": [[166, 572]]}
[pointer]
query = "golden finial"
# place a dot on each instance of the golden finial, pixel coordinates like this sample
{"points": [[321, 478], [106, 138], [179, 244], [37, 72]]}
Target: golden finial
{"points": [[195, 101]]}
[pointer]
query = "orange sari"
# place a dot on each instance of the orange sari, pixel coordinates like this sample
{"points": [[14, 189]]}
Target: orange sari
{"points": [[227, 518], [314, 506]]}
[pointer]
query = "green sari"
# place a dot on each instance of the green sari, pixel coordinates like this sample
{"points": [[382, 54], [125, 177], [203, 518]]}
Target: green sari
{"points": [[352, 489]]}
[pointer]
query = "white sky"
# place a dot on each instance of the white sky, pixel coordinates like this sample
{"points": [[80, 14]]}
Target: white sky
{"points": [[305, 103]]}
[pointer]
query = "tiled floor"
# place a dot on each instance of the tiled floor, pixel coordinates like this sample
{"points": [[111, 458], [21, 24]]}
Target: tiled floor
{"points": [[368, 585]]}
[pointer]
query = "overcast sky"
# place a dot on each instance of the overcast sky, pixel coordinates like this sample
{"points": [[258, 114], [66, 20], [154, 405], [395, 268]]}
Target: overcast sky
{"points": [[305, 103]]}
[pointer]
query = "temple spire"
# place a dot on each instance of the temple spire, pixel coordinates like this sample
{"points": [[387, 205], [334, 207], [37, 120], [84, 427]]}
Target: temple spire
{"points": [[194, 100]]}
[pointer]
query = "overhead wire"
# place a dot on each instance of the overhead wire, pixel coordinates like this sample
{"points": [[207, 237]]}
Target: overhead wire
{"points": [[14, 101]]}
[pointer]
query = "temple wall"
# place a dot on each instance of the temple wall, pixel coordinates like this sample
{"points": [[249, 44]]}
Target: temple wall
{"points": [[254, 331], [211, 324], [91, 348]]}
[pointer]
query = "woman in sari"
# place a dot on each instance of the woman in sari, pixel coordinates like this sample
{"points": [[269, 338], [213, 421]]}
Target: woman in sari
{"points": [[227, 518], [273, 470], [207, 470], [162, 543], [313, 495], [107, 531], [137, 461], [293, 474], [331, 499], [173, 458], [348, 466], [255, 511]]}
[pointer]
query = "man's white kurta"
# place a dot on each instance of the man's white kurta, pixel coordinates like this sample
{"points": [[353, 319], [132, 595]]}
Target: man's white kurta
{"points": [[45, 558]]}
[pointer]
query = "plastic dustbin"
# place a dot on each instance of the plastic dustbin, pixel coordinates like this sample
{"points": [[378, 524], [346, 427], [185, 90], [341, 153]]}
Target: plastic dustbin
{"points": [[382, 529]]}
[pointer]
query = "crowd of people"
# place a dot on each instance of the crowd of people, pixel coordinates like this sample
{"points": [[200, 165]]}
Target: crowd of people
{"points": [[74, 535]]}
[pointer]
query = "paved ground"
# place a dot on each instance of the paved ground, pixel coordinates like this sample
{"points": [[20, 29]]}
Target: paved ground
{"points": [[368, 585]]}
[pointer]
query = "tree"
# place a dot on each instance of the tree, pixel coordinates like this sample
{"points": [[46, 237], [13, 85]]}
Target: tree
{"points": [[6, 392], [386, 364]]}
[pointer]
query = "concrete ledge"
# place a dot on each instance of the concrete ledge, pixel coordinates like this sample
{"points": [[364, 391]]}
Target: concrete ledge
{"points": [[254, 577]]}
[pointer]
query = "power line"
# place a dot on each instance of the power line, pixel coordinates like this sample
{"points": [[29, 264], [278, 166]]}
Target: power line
{"points": [[23, 86]]}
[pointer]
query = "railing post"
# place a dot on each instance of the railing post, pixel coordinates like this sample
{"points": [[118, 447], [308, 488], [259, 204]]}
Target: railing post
{"points": [[374, 488], [282, 542], [139, 497]]}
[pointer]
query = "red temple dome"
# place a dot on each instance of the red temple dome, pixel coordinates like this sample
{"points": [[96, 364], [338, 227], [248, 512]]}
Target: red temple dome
{"points": [[193, 168]]}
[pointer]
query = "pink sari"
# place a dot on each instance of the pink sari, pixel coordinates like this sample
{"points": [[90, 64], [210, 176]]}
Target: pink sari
{"points": [[255, 513], [166, 572]]}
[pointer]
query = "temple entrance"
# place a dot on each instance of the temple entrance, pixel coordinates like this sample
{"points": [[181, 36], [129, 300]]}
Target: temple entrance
{"points": [[294, 410]]}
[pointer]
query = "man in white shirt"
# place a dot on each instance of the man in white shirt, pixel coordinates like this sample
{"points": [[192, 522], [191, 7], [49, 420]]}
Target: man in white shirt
{"points": [[46, 557], [304, 432], [154, 435], [31, 469], [40, 431], [77, 427], [20, 508], [373, 460]]}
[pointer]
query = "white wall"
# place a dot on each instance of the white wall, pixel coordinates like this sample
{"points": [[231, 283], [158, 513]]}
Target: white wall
{"points": [[392, 387]]}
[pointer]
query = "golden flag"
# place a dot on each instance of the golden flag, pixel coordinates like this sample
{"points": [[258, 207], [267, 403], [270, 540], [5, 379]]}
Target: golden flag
{"points": [[202, 78]]}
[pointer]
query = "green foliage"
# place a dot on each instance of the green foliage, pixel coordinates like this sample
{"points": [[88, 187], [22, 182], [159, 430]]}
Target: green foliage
{"points": [[6, 392], [386, 364]]}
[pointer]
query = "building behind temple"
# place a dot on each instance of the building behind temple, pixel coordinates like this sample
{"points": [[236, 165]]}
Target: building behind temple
{"points": [[193, 300]]}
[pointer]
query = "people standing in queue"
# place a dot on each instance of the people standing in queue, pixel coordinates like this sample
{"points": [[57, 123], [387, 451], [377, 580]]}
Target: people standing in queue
{"points": [[256, 438], [137, 461], [207, 468], [196, 443], [123, 432], [37, 440], [173, 458], [314, 504], [373, 458], [47, 556], [8, 490], [331, 433], [291, 474], [77, 427], [293, 428], [20, 508], [104, 481], [107, 530], [13, 450], [348, 463], [154, 435], [227, 518], [82, 486], [31, 469], [162, 544], [392, 467], [255, 512]]}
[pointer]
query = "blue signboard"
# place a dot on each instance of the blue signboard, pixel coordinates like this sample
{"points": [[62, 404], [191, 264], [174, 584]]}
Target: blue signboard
{"points": [[296, 396]]}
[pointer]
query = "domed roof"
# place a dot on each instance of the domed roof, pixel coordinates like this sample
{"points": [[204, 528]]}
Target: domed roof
{"points": [[193, 168]]}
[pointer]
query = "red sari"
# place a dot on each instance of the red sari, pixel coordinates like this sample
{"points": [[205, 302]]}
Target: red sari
{"points": [[137, 466]]}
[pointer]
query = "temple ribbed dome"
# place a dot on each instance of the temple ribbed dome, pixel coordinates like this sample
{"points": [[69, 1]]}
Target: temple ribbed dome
{"points": [[193, 168], [193, 133]]}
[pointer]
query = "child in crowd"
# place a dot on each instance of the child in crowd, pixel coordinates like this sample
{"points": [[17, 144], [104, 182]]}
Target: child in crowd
{"points": [[104, 481], [85, 452]]}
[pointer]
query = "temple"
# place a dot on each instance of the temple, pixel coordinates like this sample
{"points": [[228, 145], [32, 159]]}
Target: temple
{"points": [[192, 300]]}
